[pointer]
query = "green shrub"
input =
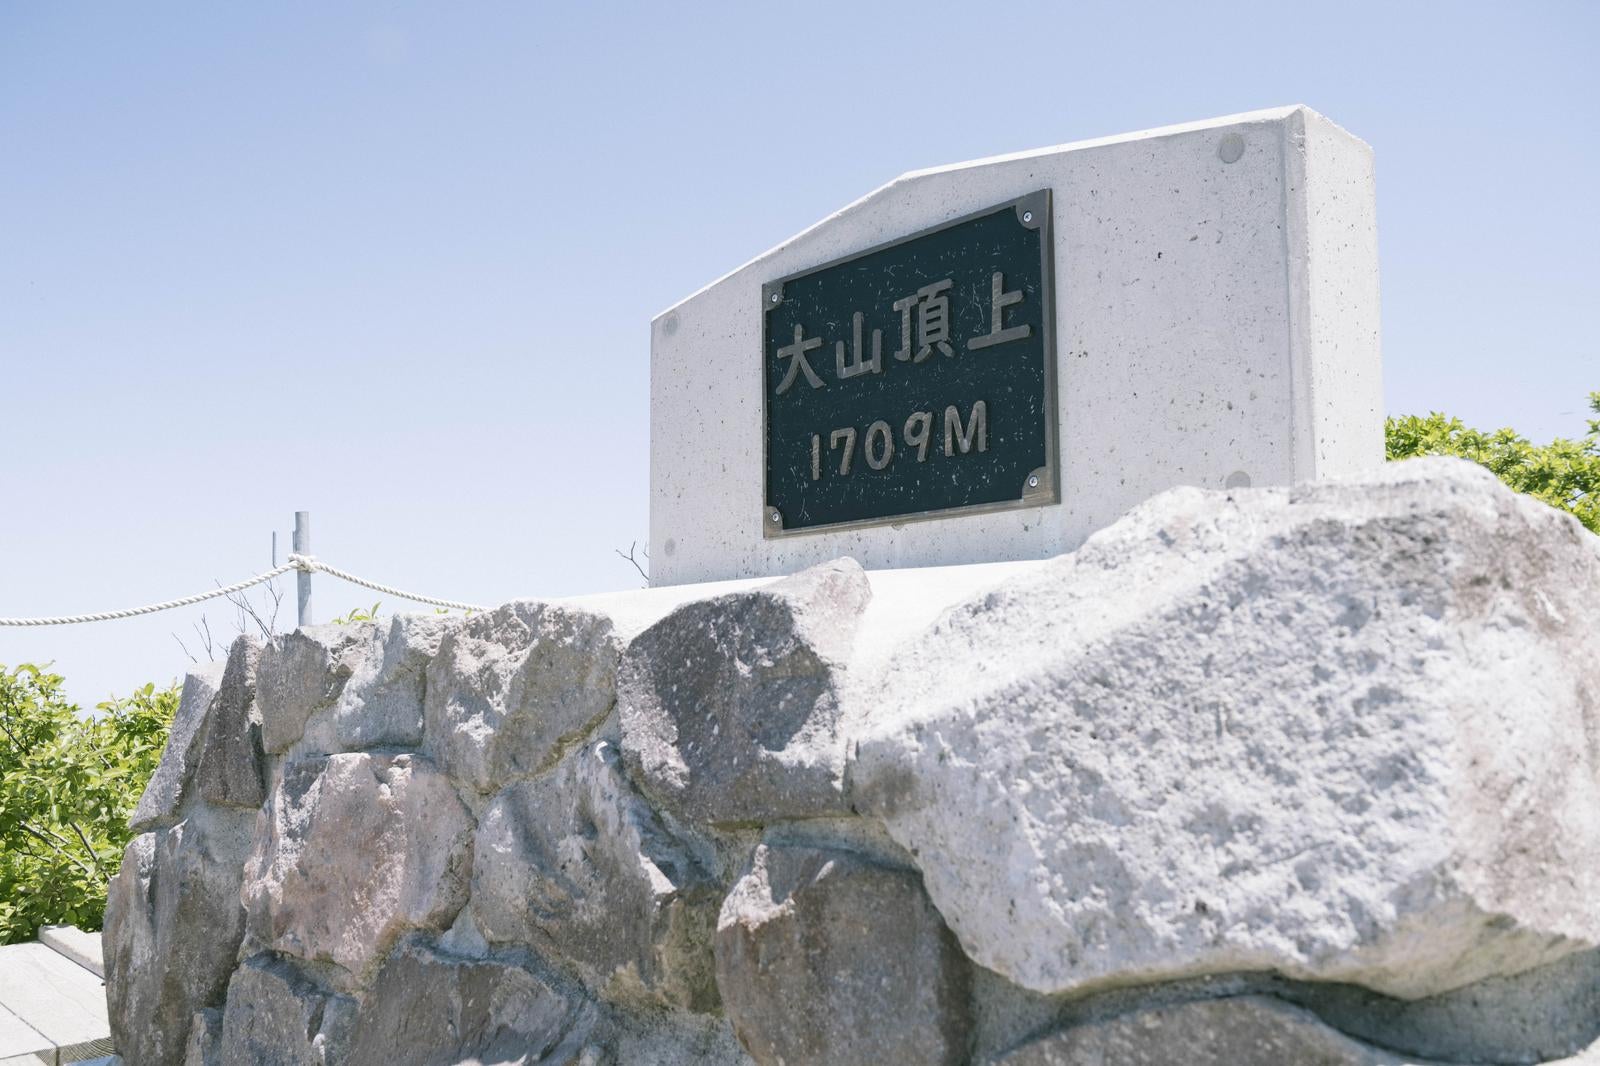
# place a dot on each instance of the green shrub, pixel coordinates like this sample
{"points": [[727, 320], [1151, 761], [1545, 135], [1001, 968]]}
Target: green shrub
{"points": [[68, 783], [359, 614], [1563, 473]]}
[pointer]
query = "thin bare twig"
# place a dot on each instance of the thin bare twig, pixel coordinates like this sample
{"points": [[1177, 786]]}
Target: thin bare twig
{"points": [[629, 556], [247, 611], [185, 648], [208, 643], [272, 589]]}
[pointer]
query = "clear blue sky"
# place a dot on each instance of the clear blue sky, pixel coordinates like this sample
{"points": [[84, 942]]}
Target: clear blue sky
{"points": [[395, 263]]}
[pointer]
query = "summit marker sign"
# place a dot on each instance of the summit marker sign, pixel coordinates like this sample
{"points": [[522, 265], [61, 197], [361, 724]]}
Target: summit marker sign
{"points": [[989, 361], [916, 379]]}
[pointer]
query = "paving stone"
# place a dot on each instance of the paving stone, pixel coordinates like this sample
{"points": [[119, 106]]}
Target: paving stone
{"points": [[73, 943], [53, 996], [19, 1040]]}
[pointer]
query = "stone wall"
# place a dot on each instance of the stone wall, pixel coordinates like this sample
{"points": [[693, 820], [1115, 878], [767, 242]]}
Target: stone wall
{"points": [[1266, 776]]}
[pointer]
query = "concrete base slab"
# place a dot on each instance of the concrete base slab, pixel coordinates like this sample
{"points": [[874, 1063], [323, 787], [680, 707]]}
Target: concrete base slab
{"points": [[61, 1003], [19, 1041], [82, 948]]}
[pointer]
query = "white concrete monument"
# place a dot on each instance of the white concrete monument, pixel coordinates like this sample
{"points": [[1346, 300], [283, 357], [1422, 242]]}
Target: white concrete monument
{"points": [[992, 360]]}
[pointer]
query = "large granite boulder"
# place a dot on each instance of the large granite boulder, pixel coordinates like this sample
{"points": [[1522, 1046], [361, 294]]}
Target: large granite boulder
{"points": [[172, 932], [229, 771], [826, 957], [513, 688], [730, 706], [352, 851], [1304, 776], [276, 1015], [163, 794], [305, 672], [1345, 732], [381, 703], [576, 864], [430, 1009]]}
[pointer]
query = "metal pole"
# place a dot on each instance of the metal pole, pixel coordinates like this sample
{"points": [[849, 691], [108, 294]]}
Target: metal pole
{"points": [[302, 579]]}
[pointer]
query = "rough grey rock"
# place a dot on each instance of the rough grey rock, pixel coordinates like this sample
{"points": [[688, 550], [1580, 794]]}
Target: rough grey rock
{"points": [[172, 932], [1242, 1031], [668, 1038], [353, 850], [578, 865], [205, 1037], [464, 939], [1221, 787], [381, 703], [163, 795], [431, 1010], [305, 671], [823, 957], [1534, 1016], [1347, 732], [512, 688], [229, 771], [730, 706], [276, 1015], [1538, 1016]]}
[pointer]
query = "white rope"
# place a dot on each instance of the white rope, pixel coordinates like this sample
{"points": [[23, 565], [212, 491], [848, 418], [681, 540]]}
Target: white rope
{"points": [[296, 562], [107, 616], [308, 562]]}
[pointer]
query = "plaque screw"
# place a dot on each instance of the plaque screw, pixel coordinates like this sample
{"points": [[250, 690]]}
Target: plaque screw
{"points": [[1033, 481], [776, 297], [1027, 216], [776, 517]]}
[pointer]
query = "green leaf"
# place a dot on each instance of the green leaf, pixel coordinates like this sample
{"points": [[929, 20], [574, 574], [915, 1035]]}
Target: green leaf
{"points": [[62, 774], [1564, 473]]}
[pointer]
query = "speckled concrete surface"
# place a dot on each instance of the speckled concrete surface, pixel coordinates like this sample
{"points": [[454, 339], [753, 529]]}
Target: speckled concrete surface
{"points": [[1216, 325]]}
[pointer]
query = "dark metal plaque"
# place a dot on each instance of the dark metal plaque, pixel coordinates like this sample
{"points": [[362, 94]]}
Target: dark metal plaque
{"points": [[915, 380]]}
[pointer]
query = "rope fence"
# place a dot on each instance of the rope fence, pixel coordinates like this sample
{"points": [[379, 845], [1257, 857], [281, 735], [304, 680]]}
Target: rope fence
{"points": [[304, 563], [310, 563]]}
